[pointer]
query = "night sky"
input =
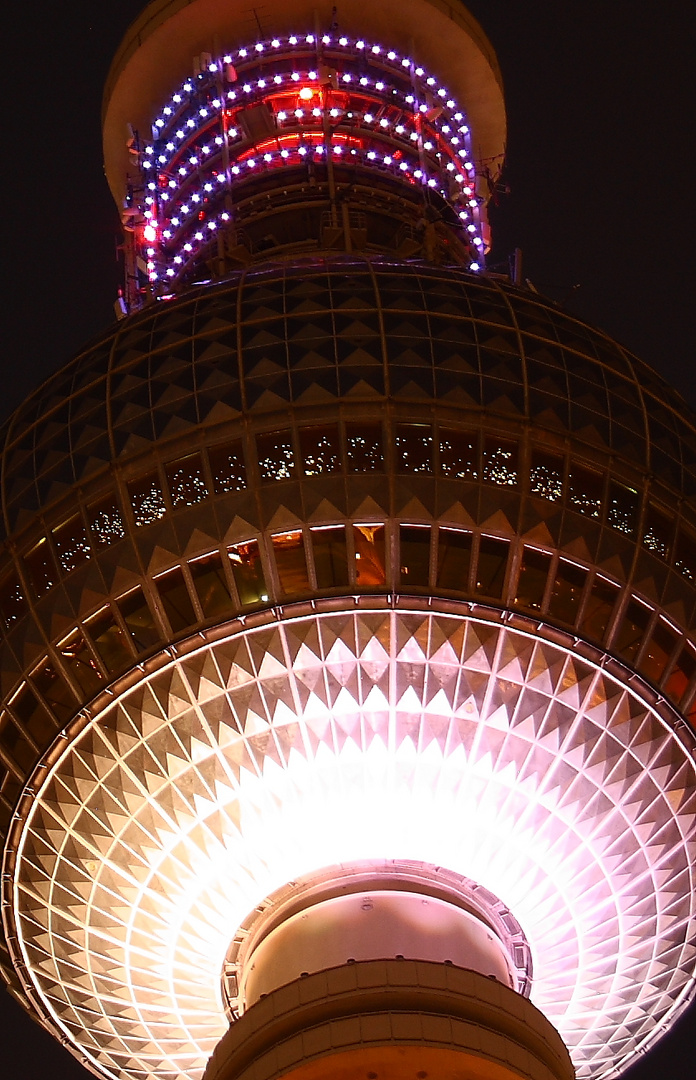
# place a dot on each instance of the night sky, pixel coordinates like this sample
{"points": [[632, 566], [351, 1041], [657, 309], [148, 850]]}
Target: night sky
{"points": [[600, 171]]}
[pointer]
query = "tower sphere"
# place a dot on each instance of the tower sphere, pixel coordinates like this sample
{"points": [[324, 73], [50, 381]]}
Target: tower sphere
{"points": [[342, 574]]}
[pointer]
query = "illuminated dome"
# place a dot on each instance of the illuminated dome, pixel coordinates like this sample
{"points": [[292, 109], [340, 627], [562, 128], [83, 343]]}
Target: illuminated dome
{"points": [[337, 573]]}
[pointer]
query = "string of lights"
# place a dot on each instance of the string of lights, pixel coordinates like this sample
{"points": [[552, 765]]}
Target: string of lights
{"points": [[289, 103]]}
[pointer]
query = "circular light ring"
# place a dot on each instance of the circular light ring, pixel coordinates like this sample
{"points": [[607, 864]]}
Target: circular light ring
{"points": [[199, 154], [337, 736]]}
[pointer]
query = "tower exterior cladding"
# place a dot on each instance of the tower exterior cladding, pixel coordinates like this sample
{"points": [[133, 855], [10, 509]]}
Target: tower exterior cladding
{"points": [[347, 599]]}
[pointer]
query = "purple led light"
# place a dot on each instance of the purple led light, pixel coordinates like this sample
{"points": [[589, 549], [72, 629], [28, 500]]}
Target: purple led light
{"points": [[443, 147]]}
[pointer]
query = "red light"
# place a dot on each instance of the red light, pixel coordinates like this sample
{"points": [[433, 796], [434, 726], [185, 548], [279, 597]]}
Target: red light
{"points": [[150, 233], [306, 93]]}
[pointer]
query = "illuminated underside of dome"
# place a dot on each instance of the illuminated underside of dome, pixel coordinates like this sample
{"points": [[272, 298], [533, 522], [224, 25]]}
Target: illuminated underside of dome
{"points": [[233, 765]]}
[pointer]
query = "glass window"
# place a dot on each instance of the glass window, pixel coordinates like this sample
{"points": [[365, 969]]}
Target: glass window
{"points": [[459, 454], [15, 743], [490, 570], [586, 489], [369, 546], [500, 461], [139, 620], [33, 716], [187, 485], [599, 608], [228, 468], [245, 560], [41, 567], [105, 522], [414, 554], [72, 544], [320, 450], [622, 508], [681, 674], [453, 559], [531, 582], [330, 556], [685, 556], [364, 451], [54, 690], [566, 591], [147, 499], [12, 602], [546, 475], [109, 640], [276, 457], [211, 586], [414, 448], [631, 630], [658, 532], [176, 599], [658, 651], [291, 564], [78, 660]]}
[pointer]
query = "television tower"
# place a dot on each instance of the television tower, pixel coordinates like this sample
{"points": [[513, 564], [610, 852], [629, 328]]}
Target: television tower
{"points": [[347, 599]]}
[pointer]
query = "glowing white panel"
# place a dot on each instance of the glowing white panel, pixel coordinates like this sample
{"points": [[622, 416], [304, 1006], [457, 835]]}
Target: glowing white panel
{"points": [[347, 736]]}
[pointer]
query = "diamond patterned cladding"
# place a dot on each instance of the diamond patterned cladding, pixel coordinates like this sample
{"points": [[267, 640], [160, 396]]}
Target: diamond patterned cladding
{"points": [[339, 328], [343, 736]]}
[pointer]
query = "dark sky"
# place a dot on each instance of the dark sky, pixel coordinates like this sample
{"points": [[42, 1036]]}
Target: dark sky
{"points": [[600, 167]]}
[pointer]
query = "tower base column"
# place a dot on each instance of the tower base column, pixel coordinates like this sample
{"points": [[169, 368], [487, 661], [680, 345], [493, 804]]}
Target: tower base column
{"points": [[392, 1020]]}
